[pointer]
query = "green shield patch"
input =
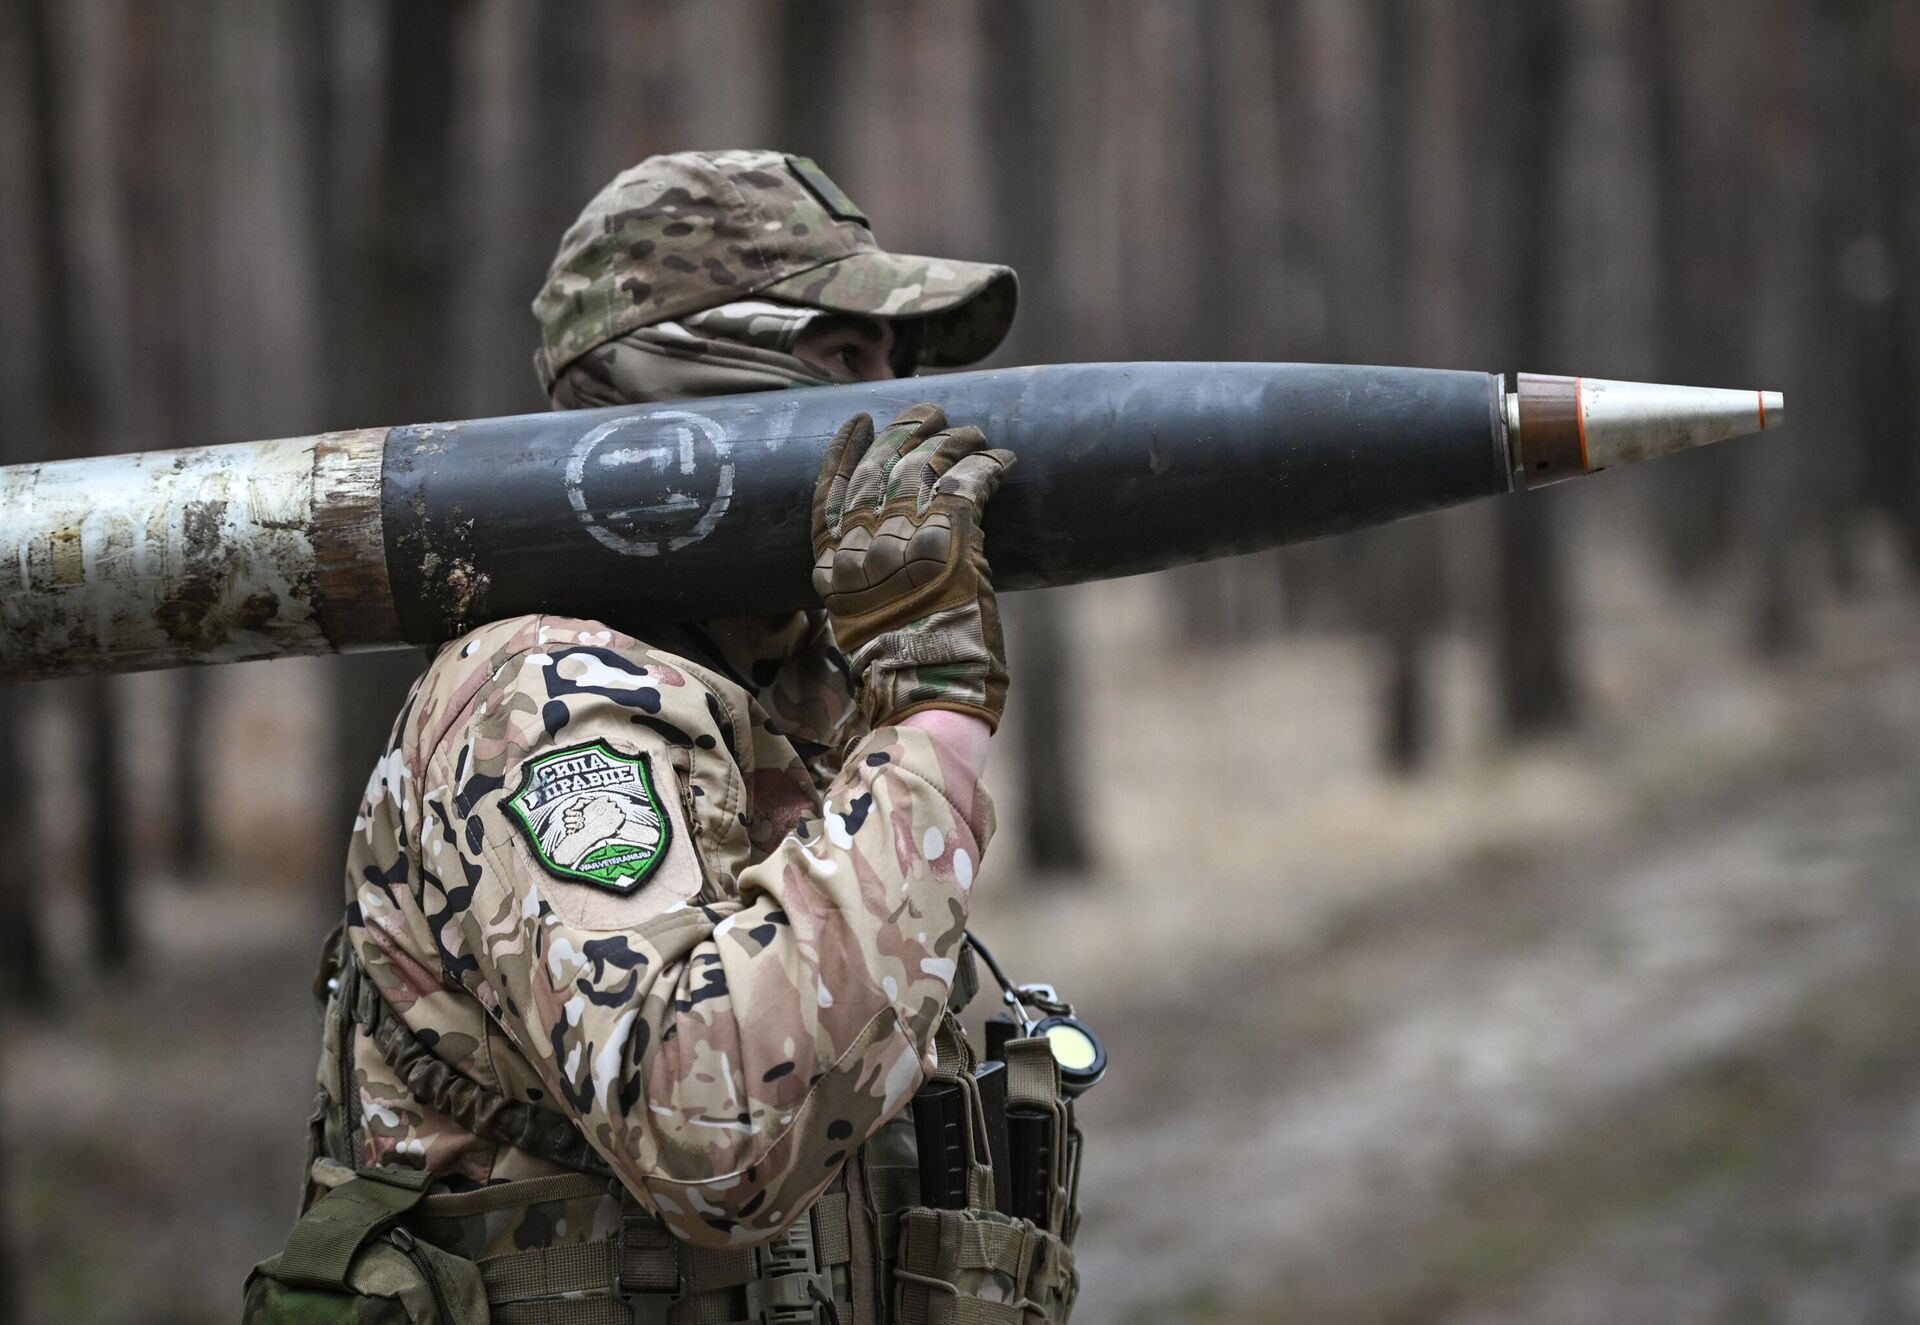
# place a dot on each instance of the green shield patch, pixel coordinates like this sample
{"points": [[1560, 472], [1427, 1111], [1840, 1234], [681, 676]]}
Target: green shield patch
{"points": [[592, 814]]}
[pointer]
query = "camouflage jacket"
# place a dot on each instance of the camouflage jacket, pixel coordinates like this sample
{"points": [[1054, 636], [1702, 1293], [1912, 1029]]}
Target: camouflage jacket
{"points": [[601, 877]]}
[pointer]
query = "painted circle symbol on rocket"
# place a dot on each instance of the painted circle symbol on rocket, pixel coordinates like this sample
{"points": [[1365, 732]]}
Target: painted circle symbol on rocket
{"points": [[654, 481]]}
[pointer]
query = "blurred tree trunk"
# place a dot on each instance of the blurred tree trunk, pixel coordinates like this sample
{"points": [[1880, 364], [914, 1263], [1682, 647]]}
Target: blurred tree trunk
{"points": [[1901, 162], [105, 198], [406, 256], [1879, 270], [572, 144], [1411, 548], [810, 43], [495, 331], [11, 1298], [1535, 673], [1227, 140], [1336, 291], [1350, 129], [1414, 580], [399, 261], [170, 306], [1292, 306], [164, 186], [107, 858], [1019, 123], [24, 976], [1215, 602], [1704, 262], [23, 966], [77, 250], [1811, 70], [190, 711]]}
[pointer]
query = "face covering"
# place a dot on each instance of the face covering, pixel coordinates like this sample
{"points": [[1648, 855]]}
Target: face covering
{"points": [[742, 346]]}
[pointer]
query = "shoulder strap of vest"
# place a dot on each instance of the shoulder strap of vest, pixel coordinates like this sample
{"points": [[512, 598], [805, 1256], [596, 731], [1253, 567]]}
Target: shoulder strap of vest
{"points": [[544, 1132]]}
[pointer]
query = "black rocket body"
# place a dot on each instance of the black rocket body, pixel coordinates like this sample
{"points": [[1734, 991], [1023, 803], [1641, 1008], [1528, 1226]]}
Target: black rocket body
{"points": [[700, 508]]}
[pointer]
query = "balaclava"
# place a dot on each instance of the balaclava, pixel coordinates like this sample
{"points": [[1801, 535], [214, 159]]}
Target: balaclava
{"points": [[742, 346]]}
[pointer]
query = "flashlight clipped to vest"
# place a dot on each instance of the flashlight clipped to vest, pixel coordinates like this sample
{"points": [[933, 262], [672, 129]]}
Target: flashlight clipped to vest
{"points": [[1027, 1140], [1037, 1011], [1024, 1140]]}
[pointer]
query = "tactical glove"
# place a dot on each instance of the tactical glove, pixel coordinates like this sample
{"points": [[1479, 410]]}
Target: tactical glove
{"points": [[898, 562]]}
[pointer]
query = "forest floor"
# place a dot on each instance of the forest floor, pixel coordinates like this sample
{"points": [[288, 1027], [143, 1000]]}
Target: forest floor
{"points": [[1622, 1027], [1672, 1075], [1625, 1027]]}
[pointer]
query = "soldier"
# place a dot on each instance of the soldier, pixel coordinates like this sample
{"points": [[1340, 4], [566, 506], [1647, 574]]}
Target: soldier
{"points": [[653, 929]]}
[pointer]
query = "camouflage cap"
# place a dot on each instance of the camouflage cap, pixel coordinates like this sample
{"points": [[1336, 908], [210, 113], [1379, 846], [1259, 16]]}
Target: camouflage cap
{"points": [[692, 230]]}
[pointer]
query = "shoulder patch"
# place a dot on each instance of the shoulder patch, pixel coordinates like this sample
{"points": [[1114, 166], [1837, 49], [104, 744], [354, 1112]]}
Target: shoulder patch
{"points": [[593, 815]]}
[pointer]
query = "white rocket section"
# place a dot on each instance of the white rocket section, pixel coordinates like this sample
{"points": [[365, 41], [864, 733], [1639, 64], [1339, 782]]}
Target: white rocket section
{"points": [[1622, 422], [154, 559]]}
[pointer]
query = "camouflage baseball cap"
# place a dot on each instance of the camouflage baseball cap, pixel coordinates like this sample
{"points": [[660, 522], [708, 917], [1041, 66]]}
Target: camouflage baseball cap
{"points": [[693, 230]]}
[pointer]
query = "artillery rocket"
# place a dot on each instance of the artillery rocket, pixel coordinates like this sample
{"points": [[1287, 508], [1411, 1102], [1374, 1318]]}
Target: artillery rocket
{"points": [[387, 537]]}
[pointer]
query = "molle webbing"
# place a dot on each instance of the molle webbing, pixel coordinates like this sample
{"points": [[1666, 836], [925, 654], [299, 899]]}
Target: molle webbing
{"points": [[542, 1132], [574, 1285], [955, 1063], [648, 1277], [969, 1267], [977, 1266], [1033, 1082]]}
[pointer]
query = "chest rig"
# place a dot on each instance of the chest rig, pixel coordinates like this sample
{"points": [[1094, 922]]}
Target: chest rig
{"points": [[936, 1220]]}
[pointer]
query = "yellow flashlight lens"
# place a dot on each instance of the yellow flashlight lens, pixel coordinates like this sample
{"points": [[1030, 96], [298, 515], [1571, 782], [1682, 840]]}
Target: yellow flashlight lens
{"points": [[1072, 1049]]}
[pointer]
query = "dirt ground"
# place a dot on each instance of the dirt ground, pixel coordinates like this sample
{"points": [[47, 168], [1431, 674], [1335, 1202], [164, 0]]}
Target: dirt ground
{"points": [[1623, 1028]]}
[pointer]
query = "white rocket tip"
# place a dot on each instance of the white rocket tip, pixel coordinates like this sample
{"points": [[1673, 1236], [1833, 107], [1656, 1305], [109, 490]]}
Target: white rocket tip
{"points": [[1576, 425], [1629, 421]]}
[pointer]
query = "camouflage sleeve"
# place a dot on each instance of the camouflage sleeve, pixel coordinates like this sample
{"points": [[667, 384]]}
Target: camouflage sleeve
{"points": [[725, 1057], [799, 675]]}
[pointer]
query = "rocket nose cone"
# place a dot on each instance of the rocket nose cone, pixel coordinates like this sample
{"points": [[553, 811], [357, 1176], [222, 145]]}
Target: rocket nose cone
{"points": [[1578, 425]]}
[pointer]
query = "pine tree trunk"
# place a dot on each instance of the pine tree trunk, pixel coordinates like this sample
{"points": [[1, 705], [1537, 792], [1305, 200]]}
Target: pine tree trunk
{"points": [[1024, 191], [401, 269], [24, 977], [11, 1296], [808, 40], [1534, 666], [190, 774], [80, 250], [23, 966], [1811, 81], [1411, 550], [169, 246], [108, 866]]}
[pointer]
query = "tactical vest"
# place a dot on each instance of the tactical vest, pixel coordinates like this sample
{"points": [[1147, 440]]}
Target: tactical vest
{"points": [[391, 1244]]}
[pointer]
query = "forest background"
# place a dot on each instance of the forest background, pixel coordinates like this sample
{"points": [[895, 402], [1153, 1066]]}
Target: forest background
{"points": [[1500, 916]]}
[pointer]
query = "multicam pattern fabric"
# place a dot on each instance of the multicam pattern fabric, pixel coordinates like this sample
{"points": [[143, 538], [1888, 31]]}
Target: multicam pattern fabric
{"points": [[760, 323], [693, 230], [730, 1032], [721, 352], [899, 564]]}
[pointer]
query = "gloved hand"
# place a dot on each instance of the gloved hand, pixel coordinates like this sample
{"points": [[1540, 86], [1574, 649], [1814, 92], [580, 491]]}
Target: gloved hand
{"points": [[898, 562]]}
